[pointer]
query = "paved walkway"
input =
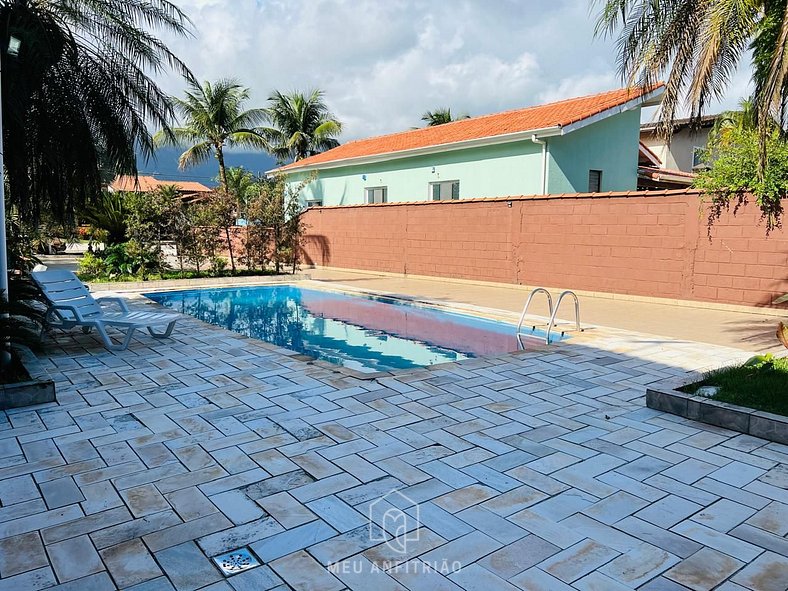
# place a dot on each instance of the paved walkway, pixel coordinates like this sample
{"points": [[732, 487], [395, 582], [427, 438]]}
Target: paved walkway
{"points": [[539, 471], [746, 331]]}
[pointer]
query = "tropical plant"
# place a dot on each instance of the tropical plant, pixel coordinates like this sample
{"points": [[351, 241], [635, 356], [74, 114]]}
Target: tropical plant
{"points": [[152, 215], [734, 172], [92, 266], [218, 212], [213, 119], [202, 242], [108, 213], [77, 98], [22, 317], [301, 125], [699, 44], [440, 116], [276, 228], [242, 185]]}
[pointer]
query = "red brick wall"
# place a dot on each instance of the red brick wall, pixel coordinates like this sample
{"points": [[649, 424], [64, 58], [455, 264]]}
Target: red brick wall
{"points": [[641, 244]]}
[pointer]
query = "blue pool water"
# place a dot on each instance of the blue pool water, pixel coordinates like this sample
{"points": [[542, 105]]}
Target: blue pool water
{"points": [[359, 332]]}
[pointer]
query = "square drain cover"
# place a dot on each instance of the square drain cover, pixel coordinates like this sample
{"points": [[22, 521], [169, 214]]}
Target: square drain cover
{"points": [[236, 561]]}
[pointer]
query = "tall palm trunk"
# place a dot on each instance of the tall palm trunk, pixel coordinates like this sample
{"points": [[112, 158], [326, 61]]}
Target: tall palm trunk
{"points": [[230, 247], [222, 168], [223, 181]]}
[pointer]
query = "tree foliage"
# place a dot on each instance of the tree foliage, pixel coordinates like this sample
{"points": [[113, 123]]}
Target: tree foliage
{"points": [[214, 118], [275, 231], [441, 116], [108, 213], [78, 96], [734, 173], [698, 45], [300, 125]]}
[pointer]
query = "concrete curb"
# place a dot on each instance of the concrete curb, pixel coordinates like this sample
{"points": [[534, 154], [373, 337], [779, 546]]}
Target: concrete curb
{"points": [[721, 414], [173, 284]]}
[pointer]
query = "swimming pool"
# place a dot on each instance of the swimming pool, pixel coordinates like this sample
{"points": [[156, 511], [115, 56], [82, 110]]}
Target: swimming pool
{"points": [[364, 333]]}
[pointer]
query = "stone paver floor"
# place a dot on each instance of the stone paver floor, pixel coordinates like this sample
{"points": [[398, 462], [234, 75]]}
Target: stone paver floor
{"points": [[541, 471]]}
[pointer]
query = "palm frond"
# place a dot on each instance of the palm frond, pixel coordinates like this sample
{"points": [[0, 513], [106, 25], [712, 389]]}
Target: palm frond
{"points": [[79, 99], [300, 125]]}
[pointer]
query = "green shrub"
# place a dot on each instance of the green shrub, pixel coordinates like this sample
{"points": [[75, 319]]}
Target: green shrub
{"points": [[218, 265], [92, 266]]}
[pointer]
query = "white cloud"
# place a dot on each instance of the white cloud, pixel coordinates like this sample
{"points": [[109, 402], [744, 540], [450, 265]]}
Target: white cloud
{"points": [[382, 63]]}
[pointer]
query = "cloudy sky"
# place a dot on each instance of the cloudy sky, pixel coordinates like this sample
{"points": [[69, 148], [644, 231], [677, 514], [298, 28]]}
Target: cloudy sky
{"points": [[382, 63]]}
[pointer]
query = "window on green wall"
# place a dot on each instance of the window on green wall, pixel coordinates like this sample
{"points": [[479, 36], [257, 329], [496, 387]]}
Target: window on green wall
{"points": [[594, 181], [375, 194], [445, 190]]}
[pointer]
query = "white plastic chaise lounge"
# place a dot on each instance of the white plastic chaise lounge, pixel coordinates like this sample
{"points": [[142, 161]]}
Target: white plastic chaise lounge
{"points": [[71, 304]]}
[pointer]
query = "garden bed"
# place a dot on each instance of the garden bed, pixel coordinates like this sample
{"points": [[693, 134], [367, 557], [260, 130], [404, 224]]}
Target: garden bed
{"points": [[751, 398]]}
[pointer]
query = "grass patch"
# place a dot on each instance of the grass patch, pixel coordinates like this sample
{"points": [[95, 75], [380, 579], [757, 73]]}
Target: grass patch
{"points": [[761, 383]]}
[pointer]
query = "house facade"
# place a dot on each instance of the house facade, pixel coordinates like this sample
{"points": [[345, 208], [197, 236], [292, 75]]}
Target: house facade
{"points": [[586, 144], [685, 151]]}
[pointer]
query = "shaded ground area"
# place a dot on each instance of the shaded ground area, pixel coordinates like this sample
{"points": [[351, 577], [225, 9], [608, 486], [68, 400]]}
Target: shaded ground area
{"points": [[524, 472], [749, 332]]}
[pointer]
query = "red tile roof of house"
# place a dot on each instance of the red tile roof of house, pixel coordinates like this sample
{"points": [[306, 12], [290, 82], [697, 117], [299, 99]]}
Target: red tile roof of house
{"points": [[552, 115], [144, 184]]}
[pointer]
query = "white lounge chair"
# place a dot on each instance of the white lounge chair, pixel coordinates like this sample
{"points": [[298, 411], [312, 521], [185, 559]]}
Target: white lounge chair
{"points": [[71, 304]]}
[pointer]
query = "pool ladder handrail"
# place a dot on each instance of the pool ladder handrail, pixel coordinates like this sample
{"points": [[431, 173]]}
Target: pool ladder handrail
{"points": [[552, 311]]}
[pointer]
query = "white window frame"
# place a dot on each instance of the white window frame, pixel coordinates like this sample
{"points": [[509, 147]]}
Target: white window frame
{"points": [[385, 195], [452, 182]]}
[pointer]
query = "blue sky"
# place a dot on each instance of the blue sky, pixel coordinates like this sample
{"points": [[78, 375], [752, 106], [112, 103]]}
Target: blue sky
{"points": [[382, 63]]}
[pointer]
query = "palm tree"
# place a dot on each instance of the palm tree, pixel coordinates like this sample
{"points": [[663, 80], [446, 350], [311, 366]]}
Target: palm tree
{"points": [[728, 123], [698, 44], [77, 97], [242, 185], [301, 125], [441, 115], [214, 118]]}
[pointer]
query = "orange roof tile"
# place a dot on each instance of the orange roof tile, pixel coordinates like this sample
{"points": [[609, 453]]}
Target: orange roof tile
{"points": [[558, 114], [148, 183]]}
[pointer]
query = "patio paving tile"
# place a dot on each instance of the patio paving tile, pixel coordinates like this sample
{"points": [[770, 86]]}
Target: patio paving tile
{"points": [[704, 570], [514, 558], [74, 558], [130, 563], [22, 553], [536, 471], [187, 568], [578, 560], [301, 571], [768, 572]]}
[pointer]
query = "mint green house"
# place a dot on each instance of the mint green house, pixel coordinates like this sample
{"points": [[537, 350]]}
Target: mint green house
{"points": [[586, 144]]}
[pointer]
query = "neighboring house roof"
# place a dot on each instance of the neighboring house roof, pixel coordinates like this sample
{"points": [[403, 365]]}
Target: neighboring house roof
{"points": [[705, 121], [647, 157], [143, 184], [664, 178], [542, 120]]}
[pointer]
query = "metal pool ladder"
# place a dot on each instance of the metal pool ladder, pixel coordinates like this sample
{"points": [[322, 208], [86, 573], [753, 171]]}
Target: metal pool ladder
{"points": [[552, 311]]}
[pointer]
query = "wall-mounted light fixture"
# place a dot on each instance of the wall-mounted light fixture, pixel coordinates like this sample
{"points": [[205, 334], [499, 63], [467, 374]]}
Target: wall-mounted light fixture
{"points": [[363, 177], [433, 170], [508, 204], [14, 45]]}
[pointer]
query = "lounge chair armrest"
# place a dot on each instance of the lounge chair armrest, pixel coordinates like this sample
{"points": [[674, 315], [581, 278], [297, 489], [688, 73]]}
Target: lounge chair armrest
{"points": [[119, 301], [65, 307]]}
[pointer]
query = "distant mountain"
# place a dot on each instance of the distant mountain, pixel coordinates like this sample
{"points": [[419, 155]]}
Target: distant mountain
{"points": [[165, 166]]}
